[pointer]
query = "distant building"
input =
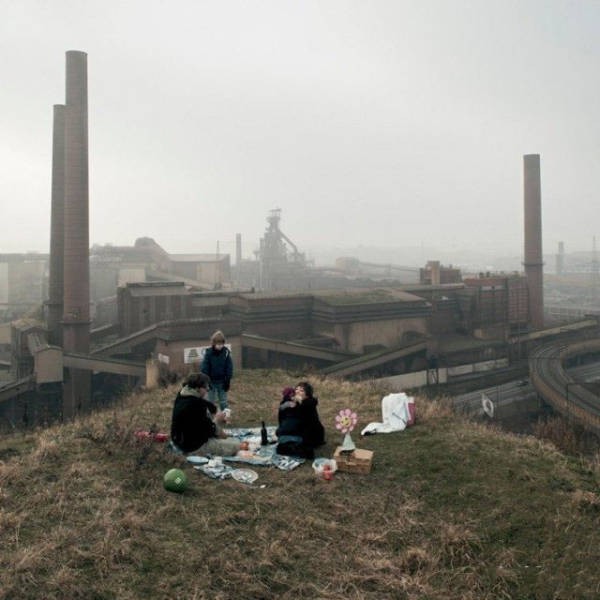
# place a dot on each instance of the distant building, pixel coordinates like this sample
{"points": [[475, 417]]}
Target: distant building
{"points": [[212, 270], [146, 261], [495, 305], [435, 274], [23, 283], [141, 305]]}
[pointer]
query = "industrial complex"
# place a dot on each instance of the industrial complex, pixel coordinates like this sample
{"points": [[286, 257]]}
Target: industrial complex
{"points": [[81, 323]]}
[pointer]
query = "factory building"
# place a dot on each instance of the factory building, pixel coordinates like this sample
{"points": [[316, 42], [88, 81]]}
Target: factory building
{"points": [[435, 274], [494, 306], [23, 283], [146, 261]]}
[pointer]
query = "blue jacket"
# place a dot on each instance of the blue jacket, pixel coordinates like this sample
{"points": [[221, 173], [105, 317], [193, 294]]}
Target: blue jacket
{"points": [[218, 365]]}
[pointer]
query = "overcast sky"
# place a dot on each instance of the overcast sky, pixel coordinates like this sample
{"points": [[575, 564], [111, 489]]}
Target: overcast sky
{"points": [[372, 122]]}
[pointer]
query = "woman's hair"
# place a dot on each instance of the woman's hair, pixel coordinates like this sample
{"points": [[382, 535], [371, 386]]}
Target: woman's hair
{"points": [[217, 338], [197, 380], [308, 389]]}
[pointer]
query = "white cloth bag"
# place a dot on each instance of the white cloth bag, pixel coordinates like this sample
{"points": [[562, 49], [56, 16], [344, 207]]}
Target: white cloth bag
{"points": [[395, 413]]}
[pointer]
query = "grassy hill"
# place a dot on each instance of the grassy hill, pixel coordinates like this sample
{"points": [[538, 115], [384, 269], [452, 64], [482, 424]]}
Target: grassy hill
{"points": [[450, 510]]}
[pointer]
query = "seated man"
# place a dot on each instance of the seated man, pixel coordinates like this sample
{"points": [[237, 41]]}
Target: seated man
{"points": [[194, 421], [300, 430]]}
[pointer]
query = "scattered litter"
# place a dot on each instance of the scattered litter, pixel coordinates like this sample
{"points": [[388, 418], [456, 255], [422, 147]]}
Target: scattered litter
{"points": [[266, 456], [286, 463], [217, 472], [244, 475], [487, 405], [157, 436]]}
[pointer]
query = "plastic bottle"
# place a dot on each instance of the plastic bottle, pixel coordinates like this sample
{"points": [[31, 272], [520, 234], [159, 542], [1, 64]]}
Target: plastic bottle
{"points": [[264, 438]]}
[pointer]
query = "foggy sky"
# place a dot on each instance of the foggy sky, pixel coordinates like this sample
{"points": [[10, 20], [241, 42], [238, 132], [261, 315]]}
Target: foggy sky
{"points": [[384, 123]]}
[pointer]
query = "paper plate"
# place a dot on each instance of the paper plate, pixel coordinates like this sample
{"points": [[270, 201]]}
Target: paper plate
{"points": [[197, 460], [244, 475]]}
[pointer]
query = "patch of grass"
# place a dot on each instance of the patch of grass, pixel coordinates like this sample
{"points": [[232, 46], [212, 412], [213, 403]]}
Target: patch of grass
{"points": [[450, 510]]}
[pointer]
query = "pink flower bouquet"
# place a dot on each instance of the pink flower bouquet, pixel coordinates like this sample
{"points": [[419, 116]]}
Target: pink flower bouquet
{"points": [[345, 420]]}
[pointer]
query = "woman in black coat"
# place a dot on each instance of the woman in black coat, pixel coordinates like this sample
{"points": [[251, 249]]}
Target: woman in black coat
{"points": [[300, 430]]}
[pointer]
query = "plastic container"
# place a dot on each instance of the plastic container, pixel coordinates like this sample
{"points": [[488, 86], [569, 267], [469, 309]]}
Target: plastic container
{"points": [[324, 467]]}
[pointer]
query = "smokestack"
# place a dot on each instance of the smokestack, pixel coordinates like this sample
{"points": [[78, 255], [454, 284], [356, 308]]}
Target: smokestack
{"points": [[560, 259], [533, 263], [76, 318], [238, 249], [55, 287]]}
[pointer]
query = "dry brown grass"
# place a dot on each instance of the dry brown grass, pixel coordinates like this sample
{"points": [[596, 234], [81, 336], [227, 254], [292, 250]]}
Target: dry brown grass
{"points": [[450, 510]]}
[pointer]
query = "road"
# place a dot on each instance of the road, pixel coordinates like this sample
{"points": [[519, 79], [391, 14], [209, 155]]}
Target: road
{"points": [[518, 391]]}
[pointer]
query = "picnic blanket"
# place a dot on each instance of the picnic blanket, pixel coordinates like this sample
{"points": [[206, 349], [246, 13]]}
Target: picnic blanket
{"points": [[265, 456]]}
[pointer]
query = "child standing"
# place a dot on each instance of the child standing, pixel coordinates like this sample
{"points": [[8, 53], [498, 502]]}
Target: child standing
{"points": [[217, 364]]}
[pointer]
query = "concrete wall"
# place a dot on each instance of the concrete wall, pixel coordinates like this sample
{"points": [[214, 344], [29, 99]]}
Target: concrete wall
{"points": [[478, 367], [126, 276], [282, 329], [419, 378], [209, 272], [213, 273], [411, 380], [48, 366], [175, 352], [353, 337], [445, 317], [5, 335]]}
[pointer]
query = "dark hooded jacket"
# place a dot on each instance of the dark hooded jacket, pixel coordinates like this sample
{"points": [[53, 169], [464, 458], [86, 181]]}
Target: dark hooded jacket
{"points": [[192, 424], [217, 364], [300, 421]]}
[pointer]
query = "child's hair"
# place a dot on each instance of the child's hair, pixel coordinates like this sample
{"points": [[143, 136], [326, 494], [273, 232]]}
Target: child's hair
{"points": [[217, 338]]}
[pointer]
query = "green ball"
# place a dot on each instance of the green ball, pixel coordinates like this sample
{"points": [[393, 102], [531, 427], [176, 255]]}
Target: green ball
{"points": [[175, 480]]}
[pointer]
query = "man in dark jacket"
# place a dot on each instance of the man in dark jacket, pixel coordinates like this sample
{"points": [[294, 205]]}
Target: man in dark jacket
{"points": [[217, 364], [194, 421]]}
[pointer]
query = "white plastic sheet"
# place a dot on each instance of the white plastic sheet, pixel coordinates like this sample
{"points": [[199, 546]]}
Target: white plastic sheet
{"points": [[397, 413]]}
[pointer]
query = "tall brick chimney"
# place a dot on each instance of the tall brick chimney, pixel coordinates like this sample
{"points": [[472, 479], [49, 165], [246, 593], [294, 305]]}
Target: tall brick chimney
{"points": [[533, 263], [57, 228], [76, 316]]}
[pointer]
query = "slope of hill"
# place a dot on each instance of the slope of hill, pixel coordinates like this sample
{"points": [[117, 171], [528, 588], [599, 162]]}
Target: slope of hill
{"points": [[451, 510]]}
